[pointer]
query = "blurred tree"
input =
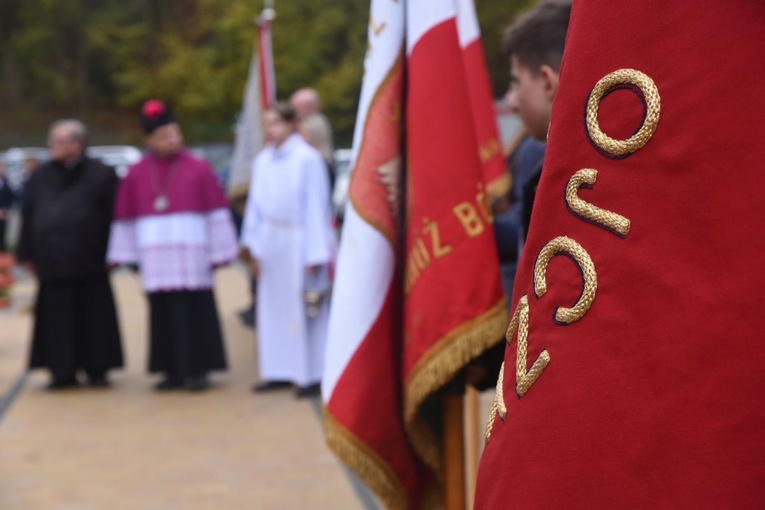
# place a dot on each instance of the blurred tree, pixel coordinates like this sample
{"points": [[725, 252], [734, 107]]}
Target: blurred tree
{"points": [[100, 59]]}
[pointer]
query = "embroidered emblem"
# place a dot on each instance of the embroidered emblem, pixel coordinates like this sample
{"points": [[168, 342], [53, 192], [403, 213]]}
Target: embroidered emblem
{"points": [[610, 221], [566, 246], [498, 406], [390, 175], [643, 86]]}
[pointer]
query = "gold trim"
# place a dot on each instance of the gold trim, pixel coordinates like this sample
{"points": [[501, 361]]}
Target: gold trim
{"points": [[499, 187], [442, 361], [609, 220], [568, 246], [365, 462], [653, 106]]}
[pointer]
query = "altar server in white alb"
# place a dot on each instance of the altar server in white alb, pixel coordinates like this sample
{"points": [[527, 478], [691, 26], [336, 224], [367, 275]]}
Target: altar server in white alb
{"points": [[288, 231], [172, 221]]}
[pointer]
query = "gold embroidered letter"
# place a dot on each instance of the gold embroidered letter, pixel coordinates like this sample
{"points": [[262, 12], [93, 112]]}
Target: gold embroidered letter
{"points": [[524, 379], [623, 148], [607, 219], [564, 245], [469, 218], [438, 250], [498, 406]]}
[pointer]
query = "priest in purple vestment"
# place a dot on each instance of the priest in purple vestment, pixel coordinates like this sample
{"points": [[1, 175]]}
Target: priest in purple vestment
{"points": [[172, 220]]}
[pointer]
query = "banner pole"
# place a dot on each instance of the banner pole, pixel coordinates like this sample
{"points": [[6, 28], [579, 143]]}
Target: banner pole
{"points": [[454, 452], [473, 440]]}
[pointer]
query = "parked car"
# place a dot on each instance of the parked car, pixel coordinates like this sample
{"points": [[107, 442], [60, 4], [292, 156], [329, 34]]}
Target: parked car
{"points": [[342, 181], [118, 156], [219, 156]]}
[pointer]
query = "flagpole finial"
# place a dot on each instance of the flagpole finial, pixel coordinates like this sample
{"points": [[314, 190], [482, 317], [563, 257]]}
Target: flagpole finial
{"points": [[268, 13]]}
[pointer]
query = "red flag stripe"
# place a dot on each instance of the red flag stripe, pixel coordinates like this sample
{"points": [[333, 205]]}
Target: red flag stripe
{"points": [[266, 58]]}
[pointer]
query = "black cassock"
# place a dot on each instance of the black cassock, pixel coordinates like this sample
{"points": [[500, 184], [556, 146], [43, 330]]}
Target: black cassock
{"points": [[67, 216]]}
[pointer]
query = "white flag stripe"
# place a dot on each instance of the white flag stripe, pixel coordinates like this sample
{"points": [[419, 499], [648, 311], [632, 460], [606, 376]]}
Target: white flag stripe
{"points": [[423, 15], [467, 23], [385, 36], [355, 306], [249, 137]]}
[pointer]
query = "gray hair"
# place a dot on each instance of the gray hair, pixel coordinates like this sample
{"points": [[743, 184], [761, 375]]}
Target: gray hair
{"points": [[76, 129], [319, 134]]}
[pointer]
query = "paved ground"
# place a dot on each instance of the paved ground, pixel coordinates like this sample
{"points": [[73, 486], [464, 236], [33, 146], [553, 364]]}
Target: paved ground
{"points": [[131, 448]]}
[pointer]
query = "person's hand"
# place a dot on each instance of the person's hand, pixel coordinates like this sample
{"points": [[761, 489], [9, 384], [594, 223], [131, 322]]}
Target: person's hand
{"points": [[254, 267], [3, 214]]}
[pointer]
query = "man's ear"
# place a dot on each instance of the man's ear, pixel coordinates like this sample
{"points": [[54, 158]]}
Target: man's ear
{"points": [[550, 78]]}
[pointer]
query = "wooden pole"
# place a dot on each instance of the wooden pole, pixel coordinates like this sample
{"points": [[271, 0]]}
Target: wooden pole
{"points": [[473, 438], [454, 453]]}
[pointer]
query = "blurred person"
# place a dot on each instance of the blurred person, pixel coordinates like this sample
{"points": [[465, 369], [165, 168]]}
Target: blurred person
{"points": [[306, 103], [524, 160], [29, 166], [172, 220], [7, 198], [313, 128], [66, 218], [287, 229], [534, 46]]}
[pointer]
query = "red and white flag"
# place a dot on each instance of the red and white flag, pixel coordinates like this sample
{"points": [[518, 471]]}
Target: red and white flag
{"points": [[418, 292], [259, 93], [266, 59]]}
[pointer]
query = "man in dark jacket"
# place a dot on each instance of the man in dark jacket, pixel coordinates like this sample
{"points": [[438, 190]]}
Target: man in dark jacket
{"points": [[67, 214]]}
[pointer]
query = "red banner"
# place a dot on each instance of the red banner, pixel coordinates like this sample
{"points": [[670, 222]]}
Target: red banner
{"points": [[633, 373], [454, 306]]}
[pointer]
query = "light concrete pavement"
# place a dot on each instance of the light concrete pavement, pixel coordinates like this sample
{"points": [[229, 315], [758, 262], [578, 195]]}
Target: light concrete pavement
{"points": [[131, 448]]}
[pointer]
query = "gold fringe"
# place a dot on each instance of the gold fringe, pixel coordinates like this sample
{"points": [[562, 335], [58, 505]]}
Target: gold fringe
{"points": [[436, 367], [372, 469], [499, 187]]}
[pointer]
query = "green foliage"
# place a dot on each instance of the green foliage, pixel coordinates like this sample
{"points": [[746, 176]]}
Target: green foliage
{"points": [[100, 59]]}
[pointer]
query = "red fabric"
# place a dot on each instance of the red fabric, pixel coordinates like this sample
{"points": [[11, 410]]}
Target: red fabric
{"points": [[266, 62], [482, 108], [654, 398], [367, 400], [443, 173], [377, 422], [445, 183]]}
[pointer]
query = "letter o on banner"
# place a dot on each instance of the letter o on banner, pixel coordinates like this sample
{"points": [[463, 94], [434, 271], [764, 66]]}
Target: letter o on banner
{"points": [[637, 81]]}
